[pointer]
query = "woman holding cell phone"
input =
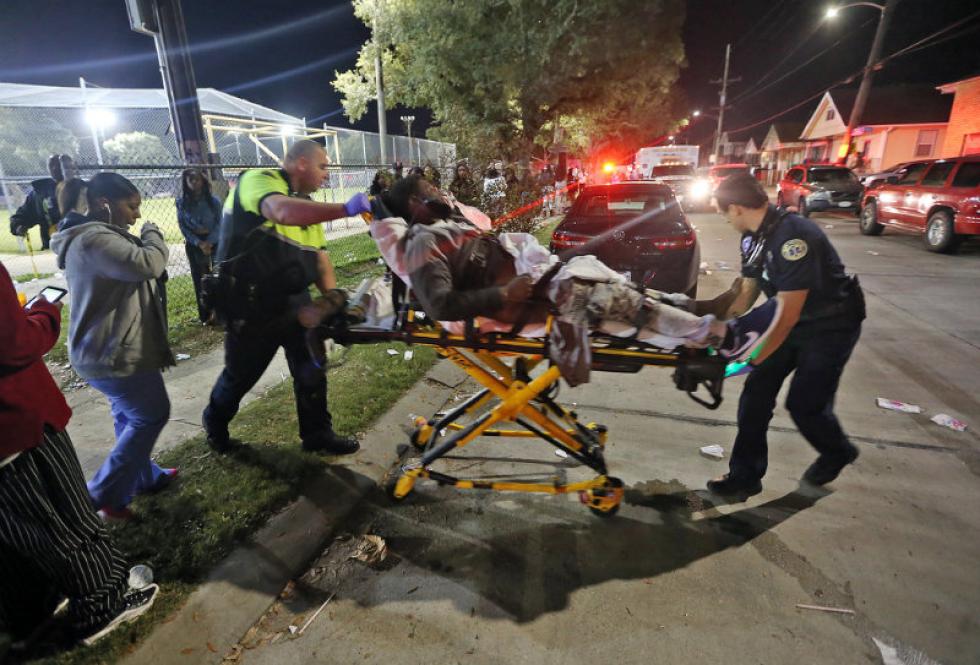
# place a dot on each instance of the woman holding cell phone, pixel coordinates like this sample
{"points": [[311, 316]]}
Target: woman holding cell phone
{"points": [[117, 338]]}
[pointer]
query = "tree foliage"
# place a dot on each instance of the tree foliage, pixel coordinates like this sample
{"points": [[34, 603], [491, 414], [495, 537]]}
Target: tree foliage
{"points": [[28, 138], [136, 148], [499, 74]]}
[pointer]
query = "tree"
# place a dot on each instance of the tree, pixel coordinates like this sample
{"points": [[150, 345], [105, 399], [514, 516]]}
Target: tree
{"points": [[28, 137], [136, 148], [498, 74]]}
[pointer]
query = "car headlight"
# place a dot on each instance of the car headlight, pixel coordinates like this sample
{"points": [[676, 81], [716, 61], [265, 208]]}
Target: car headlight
{"points": [[699, 189]]}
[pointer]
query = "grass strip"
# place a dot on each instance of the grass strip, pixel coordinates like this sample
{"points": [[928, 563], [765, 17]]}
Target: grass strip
{"points": [[30, 277], [220, 500]]}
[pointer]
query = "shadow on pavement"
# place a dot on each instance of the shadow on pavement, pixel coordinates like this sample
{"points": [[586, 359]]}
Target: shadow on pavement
{"points": [[526, 560]]}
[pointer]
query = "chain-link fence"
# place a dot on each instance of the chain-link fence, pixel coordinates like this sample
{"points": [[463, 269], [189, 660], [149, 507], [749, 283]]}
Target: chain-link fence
{"points": [[352, 251], [357, 147]]}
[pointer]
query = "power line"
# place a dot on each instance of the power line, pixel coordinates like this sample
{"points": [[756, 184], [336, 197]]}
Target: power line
{"points": [[920, 44], [761, 21], [751, 93], [775, 68]]}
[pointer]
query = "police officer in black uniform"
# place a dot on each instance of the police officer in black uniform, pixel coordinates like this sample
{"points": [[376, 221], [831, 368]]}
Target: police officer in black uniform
{"points": [[820, 309]]}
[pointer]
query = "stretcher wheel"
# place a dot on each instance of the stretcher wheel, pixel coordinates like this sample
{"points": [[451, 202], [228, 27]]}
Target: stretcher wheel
{"points": [[398, 485], [604, 501], [422, 433]]}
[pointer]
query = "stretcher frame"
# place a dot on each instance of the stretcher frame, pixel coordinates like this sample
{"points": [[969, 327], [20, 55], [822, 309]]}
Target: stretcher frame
{"points": [[510, 395]]}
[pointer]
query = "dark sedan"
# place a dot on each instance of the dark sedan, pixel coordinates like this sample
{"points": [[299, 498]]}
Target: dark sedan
{"points": [[636, 228]]}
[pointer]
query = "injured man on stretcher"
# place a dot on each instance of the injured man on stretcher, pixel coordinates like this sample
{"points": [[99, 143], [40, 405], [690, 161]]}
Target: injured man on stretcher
{"points": [[458, 271]]}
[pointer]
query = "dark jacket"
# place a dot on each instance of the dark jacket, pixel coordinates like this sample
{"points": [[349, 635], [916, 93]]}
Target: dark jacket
{"points": [[454, 268], [39, 208], [29, 397]]}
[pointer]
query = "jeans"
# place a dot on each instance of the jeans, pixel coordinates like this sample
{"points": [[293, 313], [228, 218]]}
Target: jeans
{"points": [[819, 361], [200, 263], [248, 353], [140, 410]]}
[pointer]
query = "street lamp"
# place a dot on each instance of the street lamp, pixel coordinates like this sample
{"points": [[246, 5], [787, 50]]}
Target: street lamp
{"points": [[884, 16], [696, 113], [833, 11], [98, 119], [408, 120]]}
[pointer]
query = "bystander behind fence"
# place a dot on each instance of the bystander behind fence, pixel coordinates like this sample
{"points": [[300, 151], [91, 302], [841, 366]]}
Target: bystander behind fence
{"points": [[353, 252]]}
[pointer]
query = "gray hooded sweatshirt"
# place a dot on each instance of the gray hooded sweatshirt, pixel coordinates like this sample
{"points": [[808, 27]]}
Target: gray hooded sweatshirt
{"points": [[118, 324]]}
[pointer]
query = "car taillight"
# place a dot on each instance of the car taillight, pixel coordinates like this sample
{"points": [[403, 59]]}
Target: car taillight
{"points": [[667, 243], [565, 239]]}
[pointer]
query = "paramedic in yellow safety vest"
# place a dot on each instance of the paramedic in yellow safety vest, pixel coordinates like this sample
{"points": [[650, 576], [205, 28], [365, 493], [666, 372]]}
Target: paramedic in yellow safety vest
{"points": [[269, 253]]}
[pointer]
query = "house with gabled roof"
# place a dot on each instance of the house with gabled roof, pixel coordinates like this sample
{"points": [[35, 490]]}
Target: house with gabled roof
{"points": [[781, 148], [963, 132], [900, 123]]}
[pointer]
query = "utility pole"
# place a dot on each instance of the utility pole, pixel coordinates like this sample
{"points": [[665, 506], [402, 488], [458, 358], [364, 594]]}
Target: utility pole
{"points": [[164, 21], [379, 81], [864, 90], [721, 106]]}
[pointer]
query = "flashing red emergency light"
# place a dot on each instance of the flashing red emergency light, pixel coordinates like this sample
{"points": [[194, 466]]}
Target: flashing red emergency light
{"points": [[608, 167]]}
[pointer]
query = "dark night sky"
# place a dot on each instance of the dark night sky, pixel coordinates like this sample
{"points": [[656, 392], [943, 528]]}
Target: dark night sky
{"points": [[45, 42]]}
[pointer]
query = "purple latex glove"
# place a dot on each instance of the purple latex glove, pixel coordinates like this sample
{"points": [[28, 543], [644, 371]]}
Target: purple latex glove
{"points": [[357, 204]]}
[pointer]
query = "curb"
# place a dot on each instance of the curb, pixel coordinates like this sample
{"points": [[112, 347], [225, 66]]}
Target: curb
{"points": [[243, 586]]}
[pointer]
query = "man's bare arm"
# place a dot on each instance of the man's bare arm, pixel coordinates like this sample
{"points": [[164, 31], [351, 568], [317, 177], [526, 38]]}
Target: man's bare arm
{"points": [[737, 300], [291, 211]]}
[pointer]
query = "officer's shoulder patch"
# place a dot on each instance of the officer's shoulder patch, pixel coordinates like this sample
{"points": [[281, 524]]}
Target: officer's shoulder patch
{"points": [[794, 250]]}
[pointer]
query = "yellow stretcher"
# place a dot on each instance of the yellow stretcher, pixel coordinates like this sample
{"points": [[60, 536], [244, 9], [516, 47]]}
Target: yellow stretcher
{"points": [[516, 395]]}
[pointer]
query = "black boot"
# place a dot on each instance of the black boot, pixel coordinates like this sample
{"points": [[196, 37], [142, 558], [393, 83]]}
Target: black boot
{"points": [[734, 487], [826, 468], [331, 443]]}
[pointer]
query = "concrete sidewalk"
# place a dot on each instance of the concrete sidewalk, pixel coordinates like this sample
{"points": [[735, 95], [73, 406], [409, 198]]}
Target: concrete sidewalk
{"points": [[189, 385], [242, 588]]}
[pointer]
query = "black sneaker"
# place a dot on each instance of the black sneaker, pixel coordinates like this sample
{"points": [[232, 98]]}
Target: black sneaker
{"points": [[826, 468], [331, 443], [732, 487], [135, 603]]}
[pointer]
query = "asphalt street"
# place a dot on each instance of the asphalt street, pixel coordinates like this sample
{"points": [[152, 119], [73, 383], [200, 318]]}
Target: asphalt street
{"points": [[513, 578]]}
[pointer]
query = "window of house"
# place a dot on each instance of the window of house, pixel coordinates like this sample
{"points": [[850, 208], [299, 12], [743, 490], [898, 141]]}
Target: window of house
{"points": [[830, 115], [926, 142], [936, 177], [968, 175]]}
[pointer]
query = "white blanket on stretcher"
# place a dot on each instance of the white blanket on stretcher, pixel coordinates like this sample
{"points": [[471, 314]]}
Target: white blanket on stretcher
{"points": [[530, 258]]}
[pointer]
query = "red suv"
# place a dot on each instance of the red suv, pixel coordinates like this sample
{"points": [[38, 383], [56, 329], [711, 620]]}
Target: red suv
{"points": [[938, 198]]}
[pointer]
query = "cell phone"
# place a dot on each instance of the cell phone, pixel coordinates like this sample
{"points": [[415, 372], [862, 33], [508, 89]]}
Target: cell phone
{"points": [[51, 293]]}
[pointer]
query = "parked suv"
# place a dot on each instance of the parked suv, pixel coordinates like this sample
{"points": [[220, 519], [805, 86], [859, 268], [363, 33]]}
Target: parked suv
{"points": [[636, 228], [819, 187], [938, 198], [870, 180]]}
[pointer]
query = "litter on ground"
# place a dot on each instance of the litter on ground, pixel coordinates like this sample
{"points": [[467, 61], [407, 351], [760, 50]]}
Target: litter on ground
{"points": [[895, 405], [946, 420], [713, 451], [371, 549]]}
